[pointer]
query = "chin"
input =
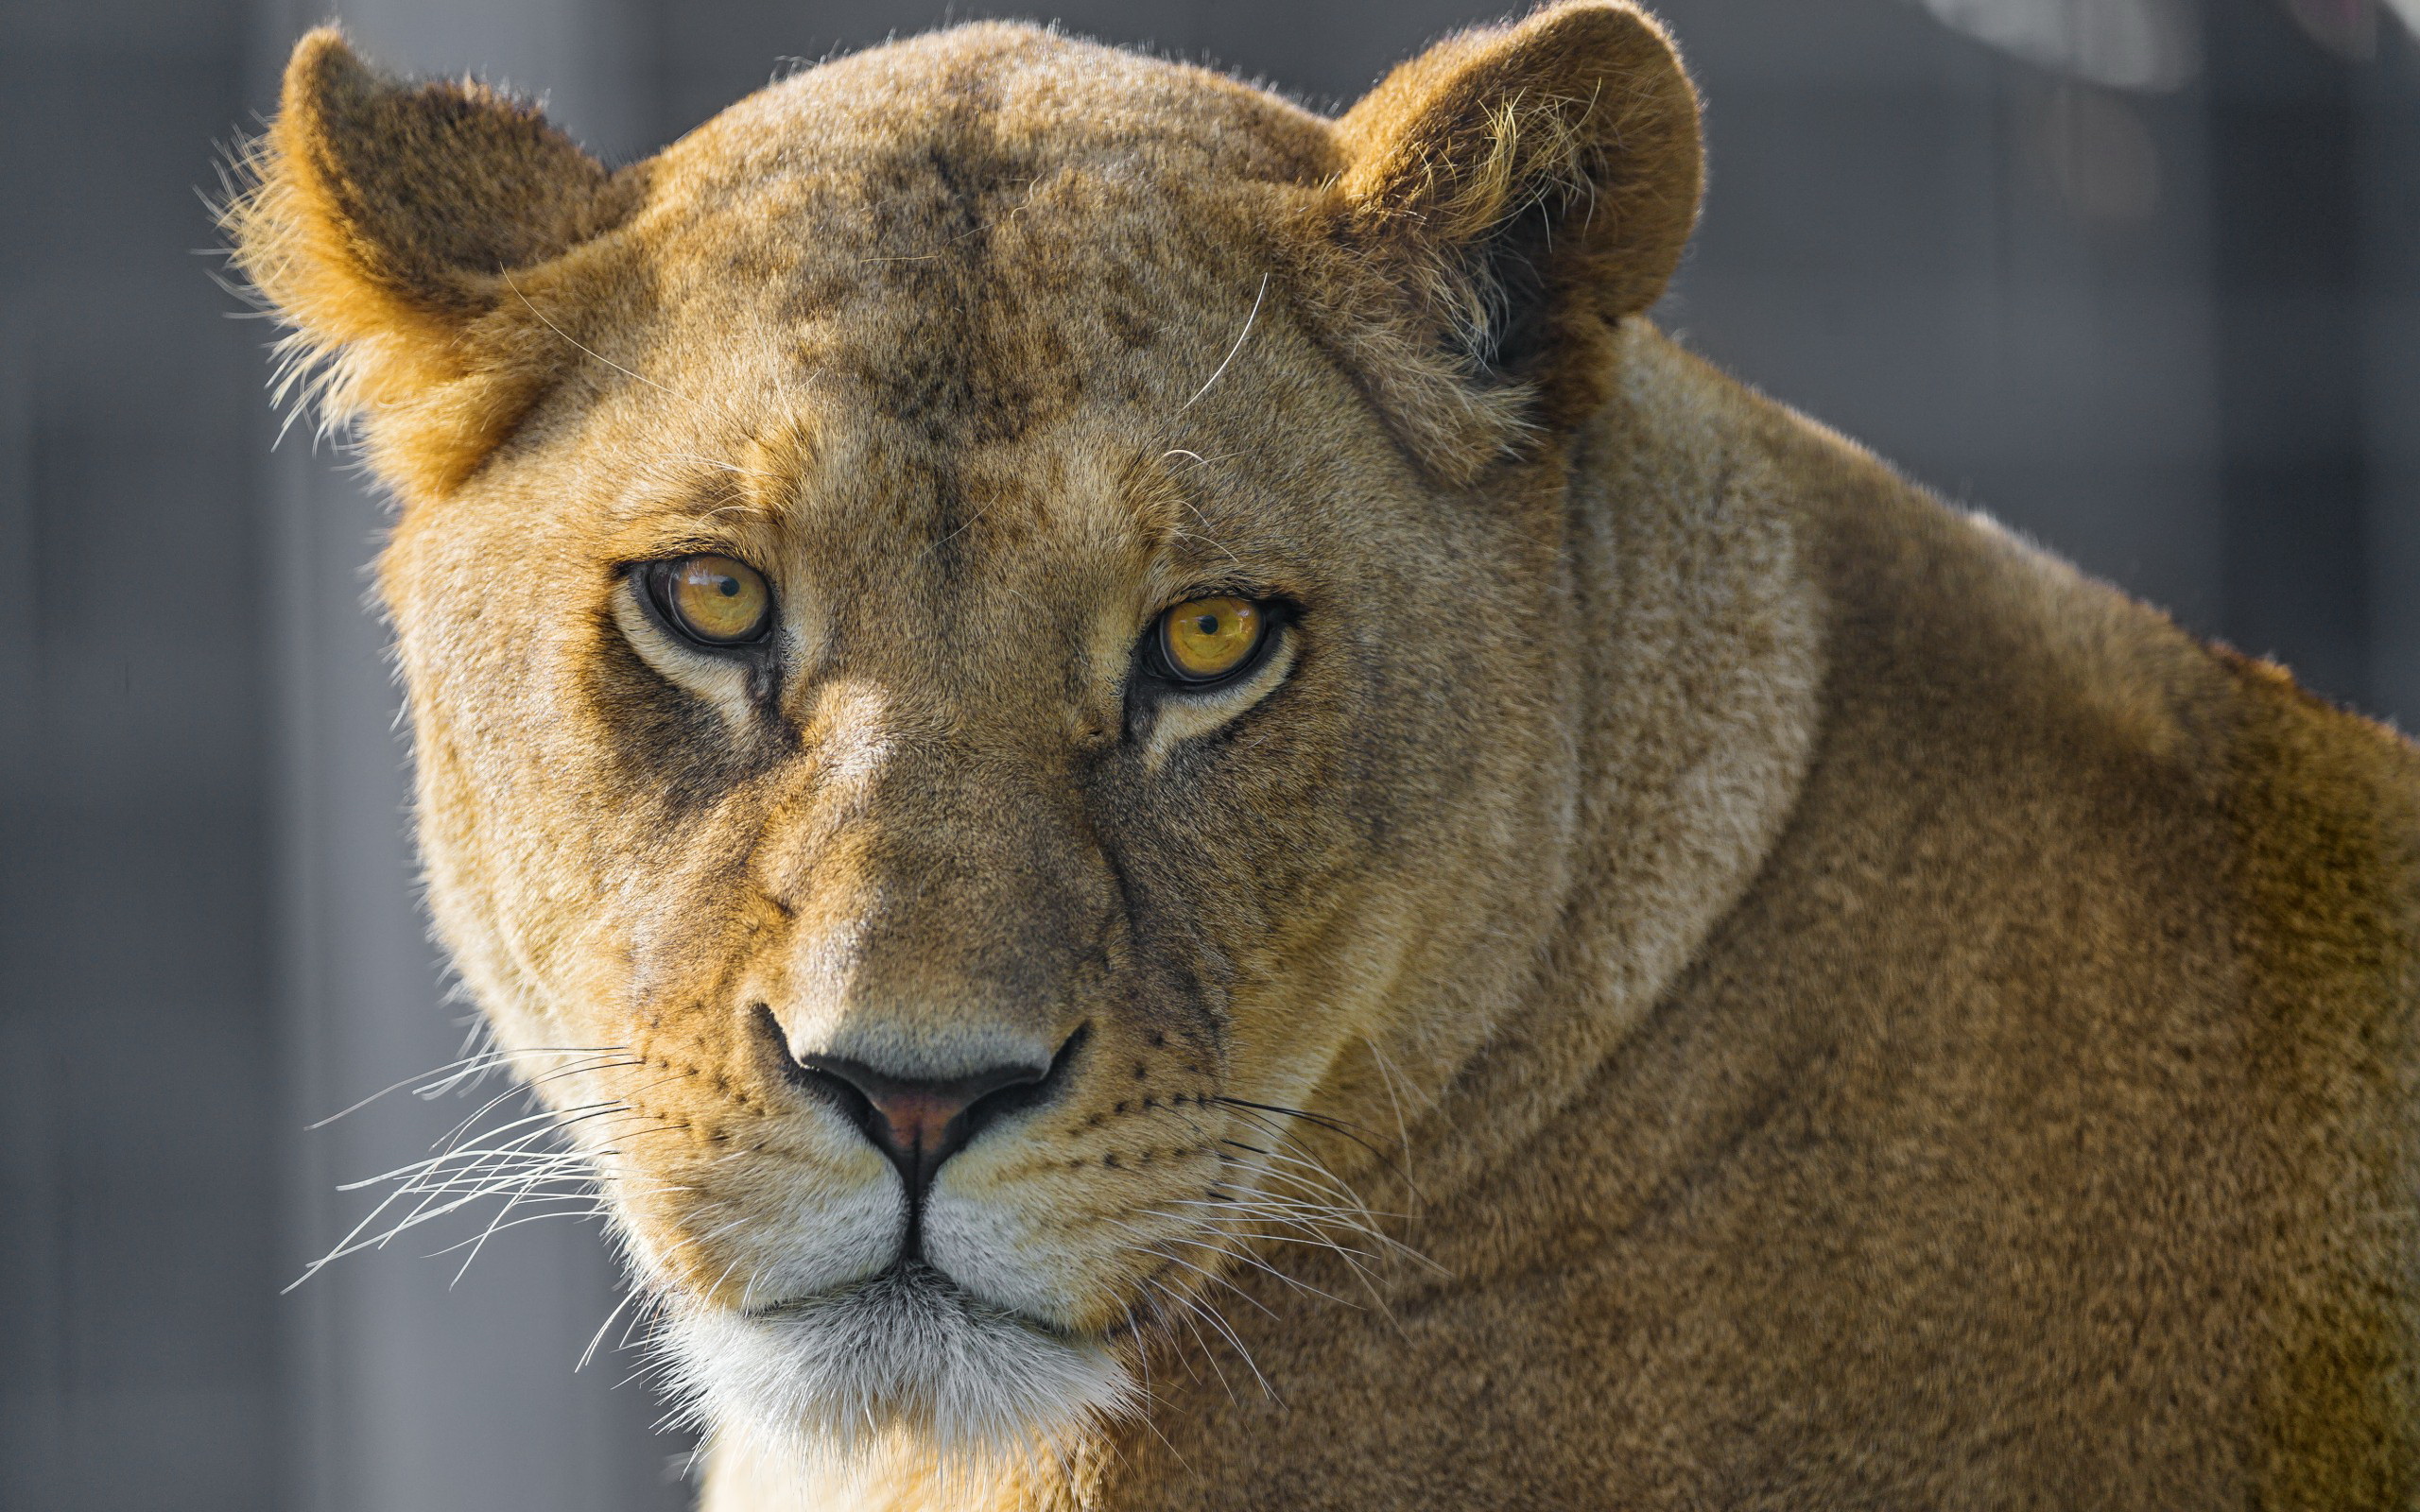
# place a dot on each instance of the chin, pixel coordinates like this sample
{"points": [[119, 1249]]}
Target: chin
{"points": [[908, 1360]]}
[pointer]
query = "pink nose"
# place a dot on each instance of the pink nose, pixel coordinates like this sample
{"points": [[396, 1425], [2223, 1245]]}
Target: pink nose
{"points": [[918, 1119], [920, 1123]]}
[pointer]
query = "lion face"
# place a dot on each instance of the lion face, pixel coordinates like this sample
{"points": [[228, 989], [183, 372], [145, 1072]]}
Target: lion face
{"points": [[959, 683]]}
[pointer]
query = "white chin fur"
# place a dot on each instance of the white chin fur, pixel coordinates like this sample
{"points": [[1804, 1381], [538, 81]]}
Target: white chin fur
{"points": [[902, 1358]]}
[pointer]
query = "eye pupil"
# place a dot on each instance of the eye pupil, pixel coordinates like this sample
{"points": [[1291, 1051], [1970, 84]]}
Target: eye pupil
{"points": [[715, 600], [1208, 639]]}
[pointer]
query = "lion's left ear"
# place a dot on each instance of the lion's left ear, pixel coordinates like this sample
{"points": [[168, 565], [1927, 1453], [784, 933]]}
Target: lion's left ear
{"points": [[1523, 187], [410, 235]]}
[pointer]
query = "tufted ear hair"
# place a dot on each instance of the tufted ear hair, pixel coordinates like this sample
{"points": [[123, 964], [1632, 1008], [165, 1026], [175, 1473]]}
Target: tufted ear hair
{"points": [[409, 236], [1522, 188]]}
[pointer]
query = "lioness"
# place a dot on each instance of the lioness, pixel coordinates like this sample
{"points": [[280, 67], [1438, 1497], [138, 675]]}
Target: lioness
{"points": [[1235, 844]]}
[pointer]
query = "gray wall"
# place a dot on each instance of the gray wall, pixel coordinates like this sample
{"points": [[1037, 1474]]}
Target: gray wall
{"points": [[2176, 337], [140, 1126]]}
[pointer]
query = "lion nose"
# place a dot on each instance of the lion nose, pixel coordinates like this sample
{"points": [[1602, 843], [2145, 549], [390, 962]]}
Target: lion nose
{"points": [[921, 1123]]}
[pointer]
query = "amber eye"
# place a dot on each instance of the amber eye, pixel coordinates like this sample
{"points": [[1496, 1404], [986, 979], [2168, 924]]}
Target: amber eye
{"points": [[1203, 640], [714, 600]]}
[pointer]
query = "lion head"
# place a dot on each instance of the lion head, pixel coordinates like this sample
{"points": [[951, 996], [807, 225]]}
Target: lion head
{"points": [[992, 631]]}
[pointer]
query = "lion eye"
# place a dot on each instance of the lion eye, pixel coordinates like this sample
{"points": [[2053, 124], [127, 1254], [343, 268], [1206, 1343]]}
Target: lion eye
{"points": [[1203, 640], [713, 600]]}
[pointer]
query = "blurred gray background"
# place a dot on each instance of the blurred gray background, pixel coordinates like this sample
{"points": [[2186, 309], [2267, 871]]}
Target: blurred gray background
{"points": [[2140, 277]]}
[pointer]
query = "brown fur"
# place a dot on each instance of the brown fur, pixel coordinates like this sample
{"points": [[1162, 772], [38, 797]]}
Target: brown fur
{"points": [[1848, 1012]]}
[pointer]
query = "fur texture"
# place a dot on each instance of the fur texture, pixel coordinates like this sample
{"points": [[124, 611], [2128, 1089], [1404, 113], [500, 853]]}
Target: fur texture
{"points": [[1692, 976]]}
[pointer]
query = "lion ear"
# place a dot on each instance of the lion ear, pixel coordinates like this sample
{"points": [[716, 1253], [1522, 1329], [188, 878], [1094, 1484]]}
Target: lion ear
{"points": [[1523, 186], [402, 232]]}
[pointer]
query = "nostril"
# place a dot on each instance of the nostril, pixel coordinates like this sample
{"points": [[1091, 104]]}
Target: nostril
{"points": [[1013, 1097], [845, 1095]]}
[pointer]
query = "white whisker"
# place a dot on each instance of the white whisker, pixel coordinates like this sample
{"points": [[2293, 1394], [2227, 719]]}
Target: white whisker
{"points": [[1221, 369]]}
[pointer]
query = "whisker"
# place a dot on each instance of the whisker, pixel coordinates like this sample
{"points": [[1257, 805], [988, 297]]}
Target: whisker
{"points": [[1333, 1125], [1295, 1281], [1219, 1324], [1186, 1311], [453, 1073], [1220, 369], [606, 361]]}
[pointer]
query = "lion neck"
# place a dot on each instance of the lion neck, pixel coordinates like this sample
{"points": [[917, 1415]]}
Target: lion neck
{"points": [[1700, 623]]}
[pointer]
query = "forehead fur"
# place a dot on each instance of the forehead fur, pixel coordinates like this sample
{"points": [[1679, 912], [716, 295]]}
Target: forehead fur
{"points": [[998, 102], [972, 231]]}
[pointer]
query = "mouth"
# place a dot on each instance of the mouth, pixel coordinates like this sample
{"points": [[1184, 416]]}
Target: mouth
{"points": [[912, 1287]]}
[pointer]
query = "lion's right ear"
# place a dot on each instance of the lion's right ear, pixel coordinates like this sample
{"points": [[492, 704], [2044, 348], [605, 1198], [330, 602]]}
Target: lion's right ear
{"points": [[411, 235]]}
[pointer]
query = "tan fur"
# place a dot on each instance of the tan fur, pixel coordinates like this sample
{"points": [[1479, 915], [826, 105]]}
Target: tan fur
{"points": [[1835, 1009]]}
